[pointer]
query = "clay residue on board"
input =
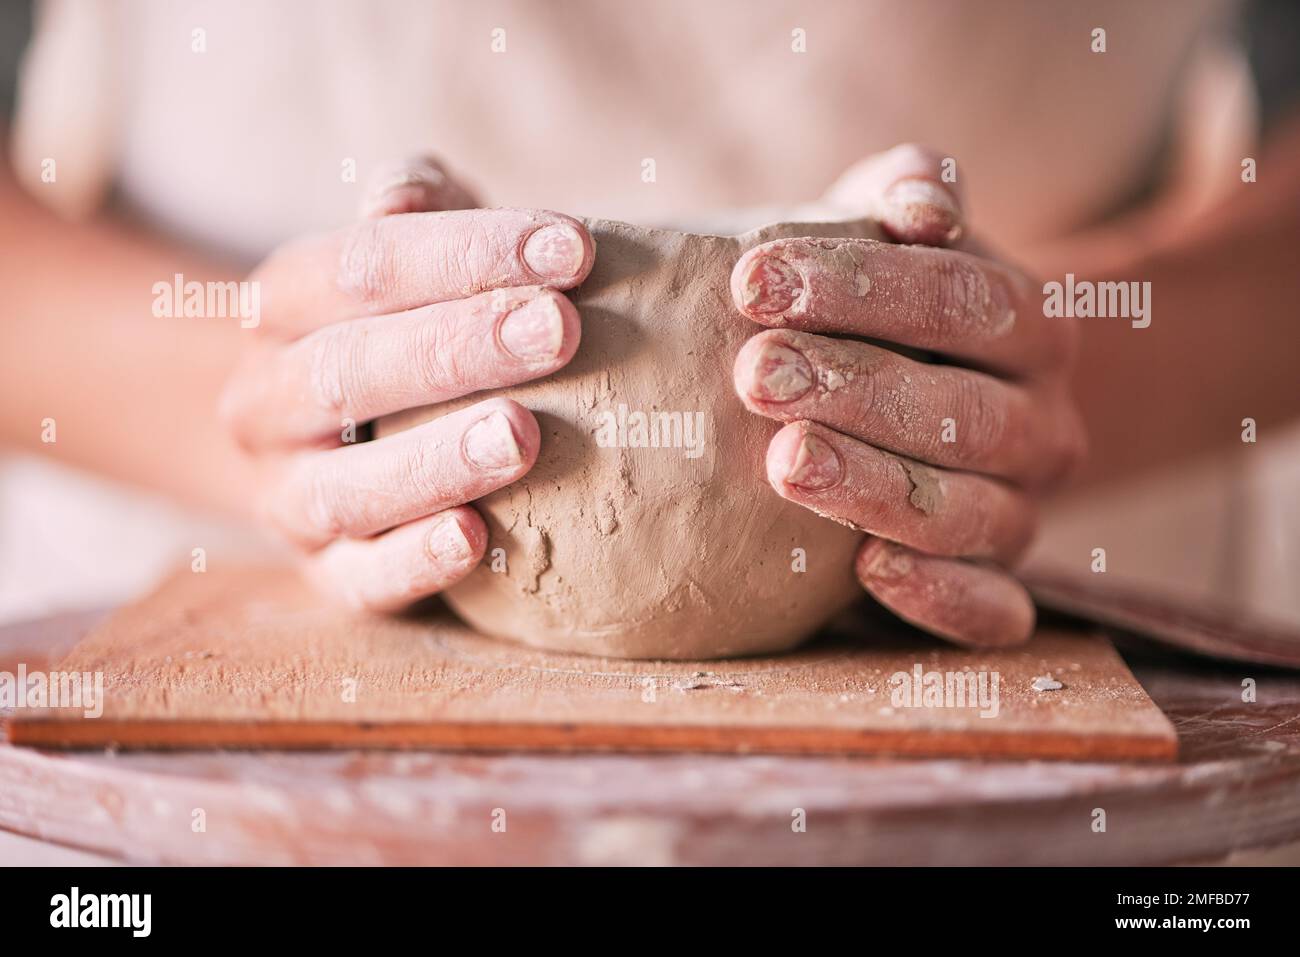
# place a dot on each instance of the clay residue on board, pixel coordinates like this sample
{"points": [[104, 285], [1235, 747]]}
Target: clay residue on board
{"points": [[926, 491]]}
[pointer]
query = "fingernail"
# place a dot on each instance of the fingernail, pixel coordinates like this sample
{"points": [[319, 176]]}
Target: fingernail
{"points": [[409, 177], [922, 209], [447, 544], [887, 562], [535, 330], [780, 374], [490, 443], [403, 190], [554, 252], [771, 286], [816, 465]]}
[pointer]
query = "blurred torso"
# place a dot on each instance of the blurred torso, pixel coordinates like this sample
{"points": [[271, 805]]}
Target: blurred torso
{"points": [[247, 143]]}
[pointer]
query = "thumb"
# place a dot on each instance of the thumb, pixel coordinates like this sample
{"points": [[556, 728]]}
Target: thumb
{"points": [[419, 184], [905, 189]]}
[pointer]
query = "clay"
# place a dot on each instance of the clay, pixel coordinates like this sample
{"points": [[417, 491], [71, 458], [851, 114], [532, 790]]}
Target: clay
{"points": [[927, 492], [647, 528]]}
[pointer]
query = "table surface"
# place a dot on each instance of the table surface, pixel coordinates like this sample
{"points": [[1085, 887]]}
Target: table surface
{"points": [[1235, 786]]}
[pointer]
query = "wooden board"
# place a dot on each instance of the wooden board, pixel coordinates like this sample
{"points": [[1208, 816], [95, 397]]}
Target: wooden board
{"points": [[1233, 793], [249, 658]]}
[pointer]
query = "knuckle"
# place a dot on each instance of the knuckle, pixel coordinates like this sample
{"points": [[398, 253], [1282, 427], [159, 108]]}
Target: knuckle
{"points": [[981, 418], [472, 254], [318, 505], [958, 295], [366, 269], [428, 351], [331, 355], [457, 263], [870, 398], [422, 466], [439, 353]]}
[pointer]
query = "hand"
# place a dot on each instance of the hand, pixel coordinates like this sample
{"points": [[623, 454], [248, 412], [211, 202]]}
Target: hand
{"points": [[396, 312], [939, 461]]}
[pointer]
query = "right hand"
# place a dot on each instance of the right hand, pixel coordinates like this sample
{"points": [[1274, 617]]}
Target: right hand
{"points": [[396, 312], [863, 443]]}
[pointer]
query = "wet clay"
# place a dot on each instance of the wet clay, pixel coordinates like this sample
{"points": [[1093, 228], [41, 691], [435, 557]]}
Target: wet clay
{"points": [[647, 528], [927, 492]]}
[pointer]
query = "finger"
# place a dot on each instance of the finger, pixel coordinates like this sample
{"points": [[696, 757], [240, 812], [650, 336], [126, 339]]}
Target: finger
{"points": [[942, 415], [359, 370], [967, 603], [942, 300], [935, 511], [905, 189], [401, 262], [363, 489], [413, 561], [420, 184]]}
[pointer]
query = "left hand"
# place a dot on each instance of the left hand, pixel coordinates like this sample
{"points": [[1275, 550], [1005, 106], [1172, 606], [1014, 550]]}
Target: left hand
{"points": [[424, 302], [939, 461]]}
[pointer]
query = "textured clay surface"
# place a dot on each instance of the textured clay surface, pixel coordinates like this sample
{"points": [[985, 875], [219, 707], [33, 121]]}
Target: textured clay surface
{"points": [[613, 548]]}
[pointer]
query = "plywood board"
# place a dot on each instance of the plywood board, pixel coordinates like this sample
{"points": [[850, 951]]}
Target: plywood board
{"points": [[249, 658]]}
